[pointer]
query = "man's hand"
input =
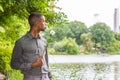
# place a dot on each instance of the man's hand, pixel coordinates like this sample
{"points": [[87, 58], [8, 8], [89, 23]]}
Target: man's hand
{"points": [[37, 63]]}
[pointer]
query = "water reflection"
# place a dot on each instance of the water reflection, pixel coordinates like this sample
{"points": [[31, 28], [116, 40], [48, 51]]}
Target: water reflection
{"points": [[98, 71]]}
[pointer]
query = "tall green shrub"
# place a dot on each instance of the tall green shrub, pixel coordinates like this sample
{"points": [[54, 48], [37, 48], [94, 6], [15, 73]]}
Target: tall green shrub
{"points": [[67, 45], [5, 56], [114, 47]]}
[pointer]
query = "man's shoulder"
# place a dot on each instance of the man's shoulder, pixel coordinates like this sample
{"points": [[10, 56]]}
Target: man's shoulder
{"points": [[21, 39]]}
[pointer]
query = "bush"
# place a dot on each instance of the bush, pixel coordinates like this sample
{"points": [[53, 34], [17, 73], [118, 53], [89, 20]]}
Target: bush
{"points": [[15, 75], [58, 46], [10, 31], [66, 46], [114, 48], [5, 57], [51, 51], [71, 47]]}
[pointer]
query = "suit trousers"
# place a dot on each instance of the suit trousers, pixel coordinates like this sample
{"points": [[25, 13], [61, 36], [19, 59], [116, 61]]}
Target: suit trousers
{"points": [[40, 77]]}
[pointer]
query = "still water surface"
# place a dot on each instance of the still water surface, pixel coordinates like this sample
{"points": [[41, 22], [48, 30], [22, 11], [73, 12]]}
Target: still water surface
{"points": [[83, 71], [89, 68]]}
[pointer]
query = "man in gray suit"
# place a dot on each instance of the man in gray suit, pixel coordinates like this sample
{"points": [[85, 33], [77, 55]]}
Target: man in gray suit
{"points": [[30, 52]]}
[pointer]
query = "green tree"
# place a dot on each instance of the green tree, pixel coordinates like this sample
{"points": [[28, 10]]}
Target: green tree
{"points": [[77, 28], [22, 8], [86, 38], [117, 36], [114, 47], [101, 34], [61, 31], [72, 29]]}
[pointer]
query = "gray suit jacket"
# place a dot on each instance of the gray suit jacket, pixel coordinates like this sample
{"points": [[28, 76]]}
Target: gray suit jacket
{"points": [[25, 51]]}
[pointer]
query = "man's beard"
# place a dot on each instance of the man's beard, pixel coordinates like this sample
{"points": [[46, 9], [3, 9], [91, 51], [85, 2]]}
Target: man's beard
{"points": [[41, 29]]}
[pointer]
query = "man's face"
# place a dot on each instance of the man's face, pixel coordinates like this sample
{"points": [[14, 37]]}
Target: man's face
{"points": [[41, 24]]}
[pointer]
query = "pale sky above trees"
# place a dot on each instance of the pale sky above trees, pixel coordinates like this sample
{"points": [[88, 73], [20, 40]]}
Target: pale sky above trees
{"points": [[84, 10]]}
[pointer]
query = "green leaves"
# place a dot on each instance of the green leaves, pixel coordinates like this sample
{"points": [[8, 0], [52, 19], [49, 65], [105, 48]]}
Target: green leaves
{"points": [[1, 9], [2, 30], [86, 38], [101, 33], [23, 8], [117, 36]]}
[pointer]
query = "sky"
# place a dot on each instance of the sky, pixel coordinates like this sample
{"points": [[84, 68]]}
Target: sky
{"points": [[85, 10]]}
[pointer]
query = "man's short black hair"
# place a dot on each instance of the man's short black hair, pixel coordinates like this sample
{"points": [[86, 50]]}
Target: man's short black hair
{"points": [[33, 17]]}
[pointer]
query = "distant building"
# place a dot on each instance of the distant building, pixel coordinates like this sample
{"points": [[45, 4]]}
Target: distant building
{"points": [[116, 20]]}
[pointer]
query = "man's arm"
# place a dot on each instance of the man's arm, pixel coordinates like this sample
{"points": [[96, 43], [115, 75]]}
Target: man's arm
{"points": [[17, 61]]}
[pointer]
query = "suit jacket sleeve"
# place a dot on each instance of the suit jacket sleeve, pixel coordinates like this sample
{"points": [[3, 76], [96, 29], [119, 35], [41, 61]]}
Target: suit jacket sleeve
{"points": [[17, 61]]}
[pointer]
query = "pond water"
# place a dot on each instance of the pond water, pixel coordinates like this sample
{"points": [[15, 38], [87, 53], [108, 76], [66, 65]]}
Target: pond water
{"points": [[84, 72]]}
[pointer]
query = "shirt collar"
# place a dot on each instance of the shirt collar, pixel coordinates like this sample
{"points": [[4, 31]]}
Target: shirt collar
{"points": [[31, 37]]}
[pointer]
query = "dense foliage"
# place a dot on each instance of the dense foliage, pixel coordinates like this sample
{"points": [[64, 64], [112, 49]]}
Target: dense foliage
{"points": [[65, 46], [14, 24], [97, 38], [101, 33], [22, 8]]}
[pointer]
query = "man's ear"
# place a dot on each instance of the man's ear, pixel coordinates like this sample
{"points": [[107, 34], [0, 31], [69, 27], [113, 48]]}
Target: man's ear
{"points": [[36, 23]]}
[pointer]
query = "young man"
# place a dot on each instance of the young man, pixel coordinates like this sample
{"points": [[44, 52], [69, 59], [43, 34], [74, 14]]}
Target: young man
{"points": [[30, 53]]}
